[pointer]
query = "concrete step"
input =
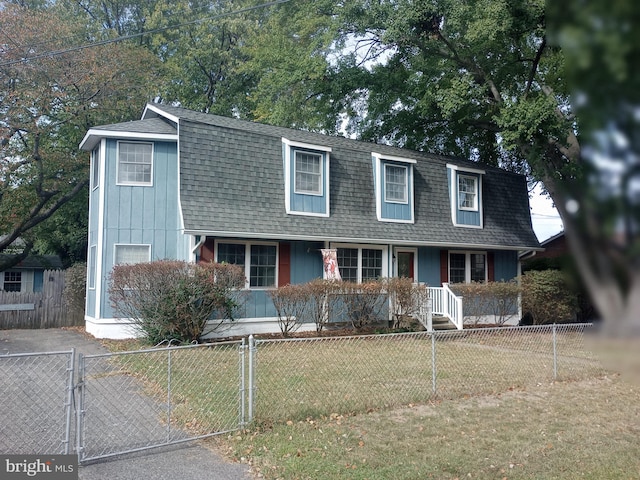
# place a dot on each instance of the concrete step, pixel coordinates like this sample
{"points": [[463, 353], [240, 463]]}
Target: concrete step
{"points": [[442, 323]]}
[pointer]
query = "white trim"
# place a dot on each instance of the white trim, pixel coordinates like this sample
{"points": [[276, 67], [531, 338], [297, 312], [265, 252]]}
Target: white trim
{"points": [[149, 107], [374, 241], [247, 259], [102, 193], [453, 196], [97, 135], [134, 184], [406, 184], [466, 169], [92, 267], [378, 182], [308, 146], [326, 181], [393, 158]]}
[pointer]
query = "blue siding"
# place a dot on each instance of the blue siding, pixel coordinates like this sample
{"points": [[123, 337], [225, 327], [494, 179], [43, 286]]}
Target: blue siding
{"points": [[306, 261], [259, 305], [429, 266], [38, 280], [506, 265], [141, 214], [308, 203], [464, 217]]}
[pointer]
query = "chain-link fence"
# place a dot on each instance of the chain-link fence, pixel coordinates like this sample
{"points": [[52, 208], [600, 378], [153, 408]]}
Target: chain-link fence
{"points": [[298, 378], [132, 401], [36, 394]]}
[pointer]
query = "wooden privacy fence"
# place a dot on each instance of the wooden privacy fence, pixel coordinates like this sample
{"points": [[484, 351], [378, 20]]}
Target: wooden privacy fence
{"points": [[46, 309]]}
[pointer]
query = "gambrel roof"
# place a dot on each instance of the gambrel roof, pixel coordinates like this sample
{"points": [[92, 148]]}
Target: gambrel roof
{"points": [[232, 185]]}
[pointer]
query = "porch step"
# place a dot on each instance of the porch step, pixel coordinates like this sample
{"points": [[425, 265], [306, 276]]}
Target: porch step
{"points": [[442, 323]]}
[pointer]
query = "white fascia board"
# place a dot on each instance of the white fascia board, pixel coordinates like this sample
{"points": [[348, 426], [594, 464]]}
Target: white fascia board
{"points": [[158, 111], [309, 146], [466, 169], [393, 158], [367, 241], [93, 136]]}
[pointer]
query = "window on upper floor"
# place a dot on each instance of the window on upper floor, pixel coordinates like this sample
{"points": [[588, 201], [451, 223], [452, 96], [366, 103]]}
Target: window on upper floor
{"points": [[92, 266], [258, 260], [12, 281], [393, 184], [131, 254], [466, 267], [465, 191], [306, 178], [135, 163]]}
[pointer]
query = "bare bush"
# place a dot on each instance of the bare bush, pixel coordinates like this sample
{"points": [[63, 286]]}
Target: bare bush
{"points": [[174, 300], [324, 301], [291, 303], [408, 299], [364, 302], [495, 300]]}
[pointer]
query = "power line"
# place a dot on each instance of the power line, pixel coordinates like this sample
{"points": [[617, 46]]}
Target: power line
{"points": [[140, 34]]}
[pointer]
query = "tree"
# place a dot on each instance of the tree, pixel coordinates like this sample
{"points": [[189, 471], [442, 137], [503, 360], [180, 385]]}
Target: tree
{"points": [[48, 100], [483, 80]]}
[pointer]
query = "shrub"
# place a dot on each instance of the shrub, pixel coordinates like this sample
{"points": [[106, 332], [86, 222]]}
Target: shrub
{"points": [[75, 288], [324, 301], [546, 297], [495, 299], [364, 302], [174, 300], [406, 297], [291, 302]]}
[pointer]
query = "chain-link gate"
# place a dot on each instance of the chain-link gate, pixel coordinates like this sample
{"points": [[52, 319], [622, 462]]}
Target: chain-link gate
{"points": [[36, 394], [134, 401]]}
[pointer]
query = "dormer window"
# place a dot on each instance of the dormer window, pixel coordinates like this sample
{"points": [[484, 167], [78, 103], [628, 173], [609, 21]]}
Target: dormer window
{"points": [[308, 173], [465, 192], [393, 184], [306, 178]]}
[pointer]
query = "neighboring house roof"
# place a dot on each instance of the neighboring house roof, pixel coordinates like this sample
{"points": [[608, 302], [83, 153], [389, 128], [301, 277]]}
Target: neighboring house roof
{"points": [[34, 262], [232, 185]]}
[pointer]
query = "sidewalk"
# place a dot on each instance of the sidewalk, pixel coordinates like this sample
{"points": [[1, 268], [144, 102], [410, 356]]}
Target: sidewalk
{"points": [[188, 461]]}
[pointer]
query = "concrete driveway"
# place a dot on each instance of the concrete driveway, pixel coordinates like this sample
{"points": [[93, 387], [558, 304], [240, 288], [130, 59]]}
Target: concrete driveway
{"points": [[190, 461]]}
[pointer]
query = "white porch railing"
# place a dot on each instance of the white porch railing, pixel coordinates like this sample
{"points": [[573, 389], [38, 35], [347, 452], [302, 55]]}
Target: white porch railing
{"points": [[446, 303]]}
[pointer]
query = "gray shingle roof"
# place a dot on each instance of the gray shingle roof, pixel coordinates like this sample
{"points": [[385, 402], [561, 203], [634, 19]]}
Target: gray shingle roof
{"points": [[232, 183]]}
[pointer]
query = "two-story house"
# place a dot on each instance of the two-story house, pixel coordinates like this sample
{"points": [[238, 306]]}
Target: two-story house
{"points": [[178, 184]]}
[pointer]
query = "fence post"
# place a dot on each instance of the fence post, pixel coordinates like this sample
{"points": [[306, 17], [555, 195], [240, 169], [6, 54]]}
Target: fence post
{"points": [[252, 358], [243, 397], [71, 362], [169, 394], [433, 363], [80, 408], [555, 354]]}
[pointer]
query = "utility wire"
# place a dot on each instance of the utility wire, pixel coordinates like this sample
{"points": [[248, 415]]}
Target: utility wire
{"points": [[140, 34]]}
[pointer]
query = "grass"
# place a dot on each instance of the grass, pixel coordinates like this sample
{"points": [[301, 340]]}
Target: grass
{"points": [[586, 429]]}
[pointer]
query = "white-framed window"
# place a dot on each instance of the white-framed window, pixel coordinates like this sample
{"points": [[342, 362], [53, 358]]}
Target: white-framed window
{"points": [[396, 183], [307, 173], [95, 173], [361, 263], [92, 266], [135, 163], [466, 267], [12, 281], [468, 192], [259, 260], [131, 254]]}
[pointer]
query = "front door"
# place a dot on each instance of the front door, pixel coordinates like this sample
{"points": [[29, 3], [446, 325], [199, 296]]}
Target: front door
{"points": [[405, 264]]}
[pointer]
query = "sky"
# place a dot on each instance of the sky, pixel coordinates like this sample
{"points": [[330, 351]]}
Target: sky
{"points": [[545, 218]]}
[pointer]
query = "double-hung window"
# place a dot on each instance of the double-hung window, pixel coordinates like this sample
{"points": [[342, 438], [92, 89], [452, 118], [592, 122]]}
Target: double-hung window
{"points": [[259, 261], [467, 192], [308, 173], [360, 264], [465, 267], [12, 281], [135, 163], [396, 183]]}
